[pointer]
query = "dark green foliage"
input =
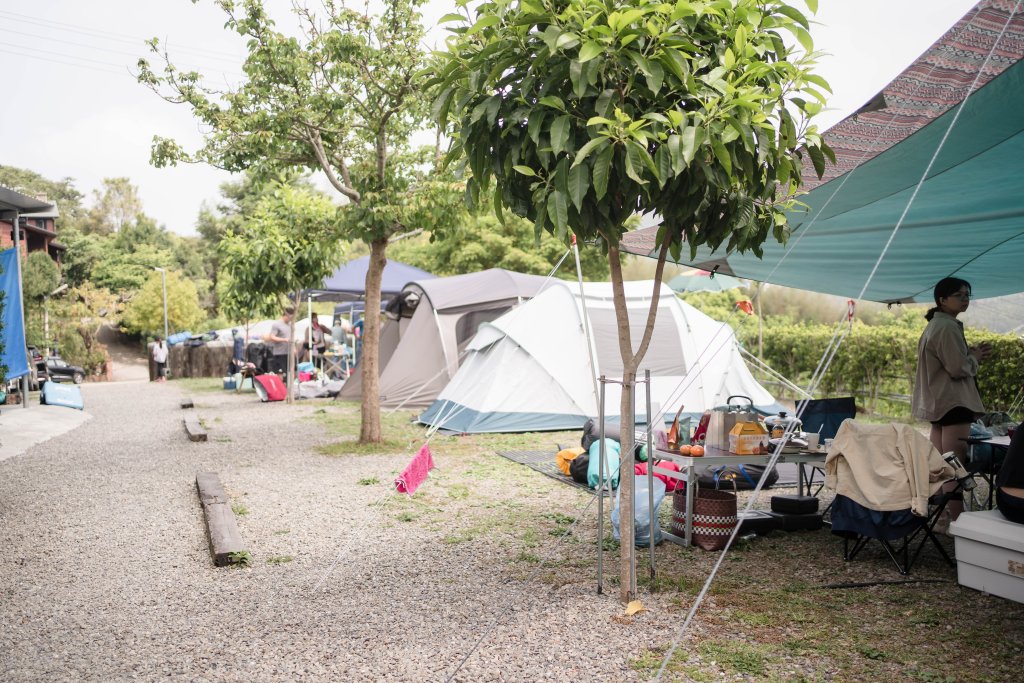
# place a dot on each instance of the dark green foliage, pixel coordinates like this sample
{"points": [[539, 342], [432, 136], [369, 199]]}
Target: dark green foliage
{"points": [[482, 241]]}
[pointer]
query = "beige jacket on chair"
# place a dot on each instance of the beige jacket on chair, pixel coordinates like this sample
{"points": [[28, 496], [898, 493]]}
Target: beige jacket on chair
{"points": [[885, 467]]}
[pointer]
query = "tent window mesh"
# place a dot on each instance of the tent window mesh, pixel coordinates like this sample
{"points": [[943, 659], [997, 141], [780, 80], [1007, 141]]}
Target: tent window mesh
{"points": [[467, 326]]}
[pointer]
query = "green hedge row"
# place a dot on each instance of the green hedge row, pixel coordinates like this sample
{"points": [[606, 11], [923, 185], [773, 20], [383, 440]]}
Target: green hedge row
{"points": [[880, 361]]}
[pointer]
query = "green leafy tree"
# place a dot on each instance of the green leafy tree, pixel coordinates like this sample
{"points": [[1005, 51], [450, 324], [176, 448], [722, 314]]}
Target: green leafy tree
{"points": [[239, 197], [578, 114], [482, 241], [76, 319], [344, 99], [39, 277], [116, 206], [62, 192], [289, 243], [144, 314], [84, 251], [125, 272]]}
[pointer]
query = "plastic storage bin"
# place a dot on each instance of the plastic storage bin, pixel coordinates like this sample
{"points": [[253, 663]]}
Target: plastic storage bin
{"points": [[990, 554]]}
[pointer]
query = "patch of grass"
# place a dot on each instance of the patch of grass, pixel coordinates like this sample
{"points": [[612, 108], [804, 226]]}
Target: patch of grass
{"points": [[467, 534], [240, 559], [754, 618], [354, 447], [279, 559], [932, 676], [208, 385], [735, 656], [407, 516], [872, 652], [458, 491], [529, 558], [649, 661], [239, 509], [368, 481], [281, 532]]}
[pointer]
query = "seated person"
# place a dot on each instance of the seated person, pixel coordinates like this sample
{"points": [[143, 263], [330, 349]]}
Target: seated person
{"points": [[1010, 480]]}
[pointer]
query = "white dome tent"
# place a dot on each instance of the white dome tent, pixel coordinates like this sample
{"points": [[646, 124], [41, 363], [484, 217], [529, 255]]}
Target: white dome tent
{"points": [[531, 369]]}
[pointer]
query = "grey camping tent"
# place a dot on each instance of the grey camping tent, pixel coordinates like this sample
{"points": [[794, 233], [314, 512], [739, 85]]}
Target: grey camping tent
{"points": [[429, 325]]}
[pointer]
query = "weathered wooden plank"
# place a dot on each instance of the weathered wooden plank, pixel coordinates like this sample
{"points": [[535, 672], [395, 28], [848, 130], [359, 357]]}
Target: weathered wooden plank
{"points": [[187, 403], [210, 489], [194, 430], [221, 528], [223, 534]]}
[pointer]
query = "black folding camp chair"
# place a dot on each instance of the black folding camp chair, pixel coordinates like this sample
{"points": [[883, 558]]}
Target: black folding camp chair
{"points": [[897, 531], [824, 416]]}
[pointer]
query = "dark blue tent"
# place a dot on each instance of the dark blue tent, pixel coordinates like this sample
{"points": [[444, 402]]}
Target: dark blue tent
{"points": [[348, 282]]}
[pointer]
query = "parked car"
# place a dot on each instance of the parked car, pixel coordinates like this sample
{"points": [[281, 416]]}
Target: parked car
{"points": [[60, 371]]}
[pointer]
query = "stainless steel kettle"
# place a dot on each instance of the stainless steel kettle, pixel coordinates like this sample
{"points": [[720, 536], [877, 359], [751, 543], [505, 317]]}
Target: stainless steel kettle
{"points": [[779, 424]]}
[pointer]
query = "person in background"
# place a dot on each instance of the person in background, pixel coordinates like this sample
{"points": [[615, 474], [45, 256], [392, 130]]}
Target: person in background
{"points": [[280, 337], [945, 388], [160, 359], [237, 352], [320, 335], [1010, 480]]}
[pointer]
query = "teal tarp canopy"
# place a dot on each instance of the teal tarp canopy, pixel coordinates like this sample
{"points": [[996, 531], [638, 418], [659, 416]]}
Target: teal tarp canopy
{"points": [[966, 219]]}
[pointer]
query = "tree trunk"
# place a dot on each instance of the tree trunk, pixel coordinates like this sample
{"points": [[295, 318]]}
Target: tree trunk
{"points": [[627, 582], [369, 431], [630, 364]]}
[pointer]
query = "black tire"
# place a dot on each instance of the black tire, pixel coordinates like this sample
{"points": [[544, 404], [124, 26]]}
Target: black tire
{"points": [[77, 378]]}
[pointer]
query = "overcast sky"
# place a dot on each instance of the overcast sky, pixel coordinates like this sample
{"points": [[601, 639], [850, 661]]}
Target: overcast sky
{"points": [[72, 109]]}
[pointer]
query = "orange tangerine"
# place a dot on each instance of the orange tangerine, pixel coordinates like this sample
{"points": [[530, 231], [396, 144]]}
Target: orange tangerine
{"points": [[697, 450], [685, 450]]}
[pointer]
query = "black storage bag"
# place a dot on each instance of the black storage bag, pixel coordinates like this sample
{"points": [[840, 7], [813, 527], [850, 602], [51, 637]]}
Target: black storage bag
{"points": [[747, 476], [578, 468], [795, 505]]}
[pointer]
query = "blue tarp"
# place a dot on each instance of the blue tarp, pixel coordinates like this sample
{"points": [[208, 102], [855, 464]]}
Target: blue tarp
{"points": [[14, 355], [348, 282]]}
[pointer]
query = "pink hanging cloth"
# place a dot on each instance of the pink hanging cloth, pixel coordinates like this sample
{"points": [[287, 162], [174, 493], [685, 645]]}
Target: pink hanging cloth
{"points": [[415, 473]]}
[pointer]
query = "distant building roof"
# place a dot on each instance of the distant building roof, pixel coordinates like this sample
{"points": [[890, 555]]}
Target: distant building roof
{"points": [[22, 203]]}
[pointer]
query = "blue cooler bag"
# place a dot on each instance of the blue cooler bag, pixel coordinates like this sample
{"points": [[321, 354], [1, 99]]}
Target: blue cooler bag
{"points": [[67, 395]]}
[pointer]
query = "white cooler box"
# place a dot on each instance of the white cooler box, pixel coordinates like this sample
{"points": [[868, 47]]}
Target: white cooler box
{"points": [[990, 553]]}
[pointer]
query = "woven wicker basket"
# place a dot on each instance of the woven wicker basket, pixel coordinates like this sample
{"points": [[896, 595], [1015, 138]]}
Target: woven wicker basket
{"points": [[714, 517]]}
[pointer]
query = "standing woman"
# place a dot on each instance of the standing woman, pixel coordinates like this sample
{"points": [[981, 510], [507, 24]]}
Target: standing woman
{"points": [[160, 359], [945, 389]]}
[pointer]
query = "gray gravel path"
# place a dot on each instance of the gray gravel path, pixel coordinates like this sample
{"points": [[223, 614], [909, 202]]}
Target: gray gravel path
{"points": [[105, 573]]}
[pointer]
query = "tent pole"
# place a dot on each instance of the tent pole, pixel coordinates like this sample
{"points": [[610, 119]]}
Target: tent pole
{"points": [[586, 323], [309, 325]]}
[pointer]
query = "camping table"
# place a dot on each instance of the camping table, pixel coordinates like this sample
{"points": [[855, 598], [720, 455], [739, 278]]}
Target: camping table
{"points": [[717, 456], [1002, 442]]}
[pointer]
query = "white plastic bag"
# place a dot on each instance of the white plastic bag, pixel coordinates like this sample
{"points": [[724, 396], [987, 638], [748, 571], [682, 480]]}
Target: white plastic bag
{"points": [[641, 512]]}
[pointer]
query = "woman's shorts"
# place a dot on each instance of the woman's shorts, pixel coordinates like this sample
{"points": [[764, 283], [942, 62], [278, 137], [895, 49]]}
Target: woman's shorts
{"points": [[956, 416], [1012, 507]]}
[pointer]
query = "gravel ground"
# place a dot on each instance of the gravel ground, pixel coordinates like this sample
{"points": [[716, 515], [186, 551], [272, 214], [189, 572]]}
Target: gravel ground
{"points": [[106, 574]]}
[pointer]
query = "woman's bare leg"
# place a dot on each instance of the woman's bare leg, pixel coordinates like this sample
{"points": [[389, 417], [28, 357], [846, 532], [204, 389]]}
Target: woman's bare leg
{"points": [[953, 440]]}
